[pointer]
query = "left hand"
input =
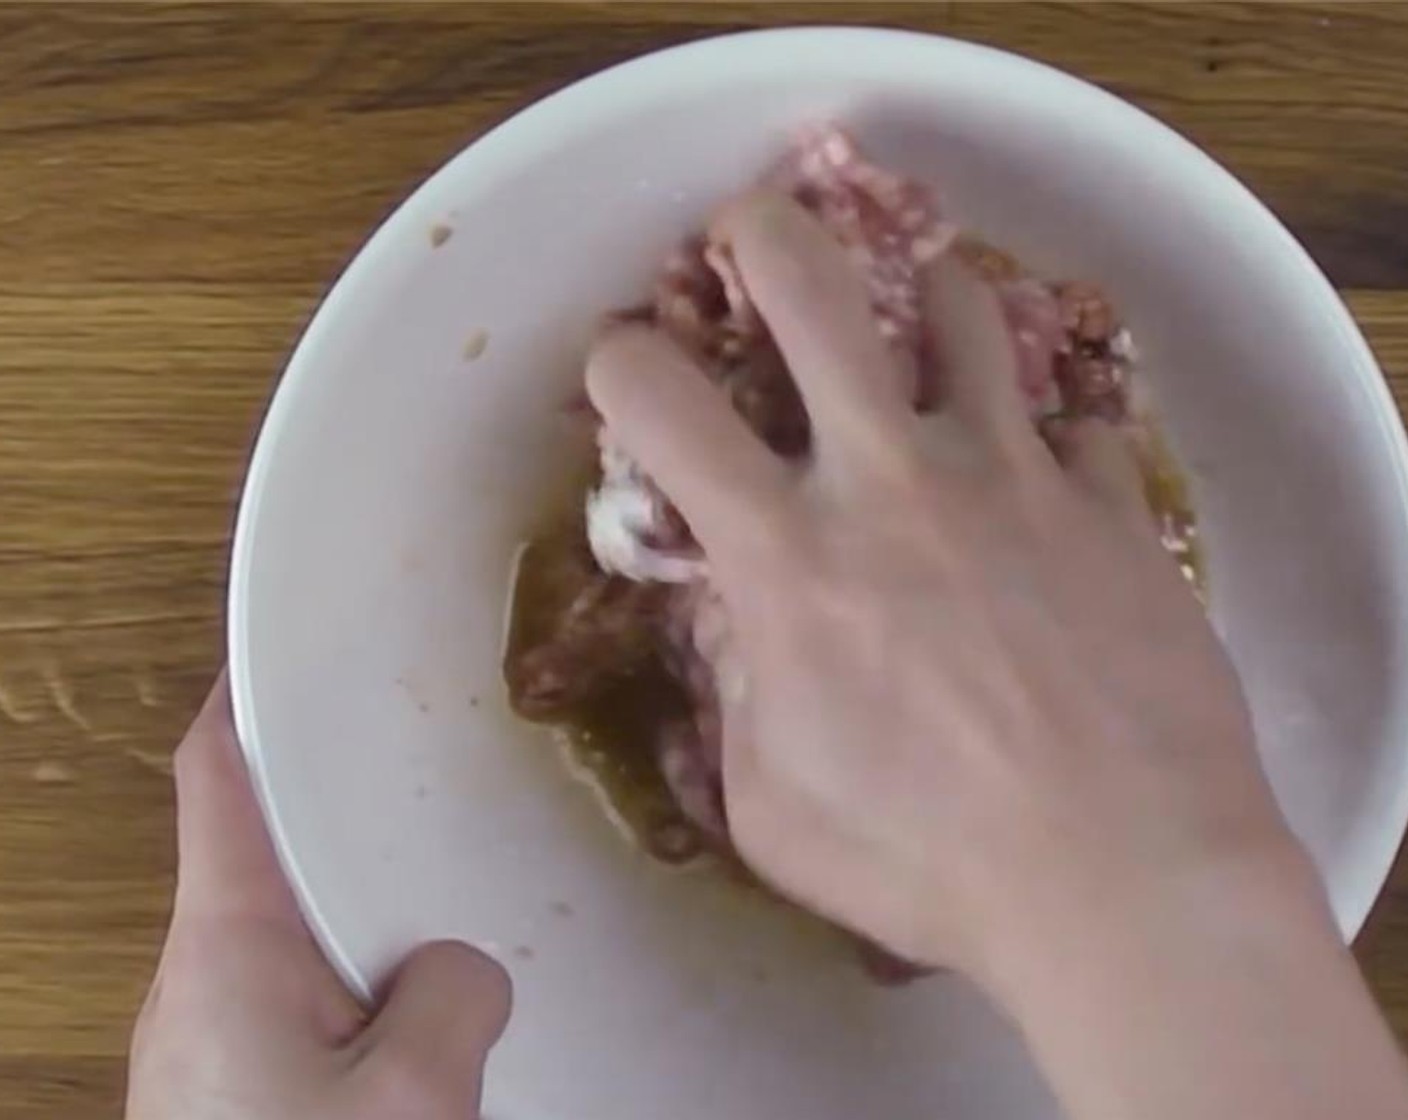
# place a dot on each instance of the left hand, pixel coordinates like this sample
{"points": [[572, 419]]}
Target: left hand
{"points": [[245, 1020]]}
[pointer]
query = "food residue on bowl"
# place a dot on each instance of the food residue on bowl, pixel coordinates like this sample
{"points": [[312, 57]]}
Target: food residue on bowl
{"points": [[476, 344], [615, 633]]}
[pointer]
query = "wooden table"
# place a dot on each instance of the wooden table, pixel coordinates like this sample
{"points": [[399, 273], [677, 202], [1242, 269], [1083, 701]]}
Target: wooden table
{"points": [[177, 187]]}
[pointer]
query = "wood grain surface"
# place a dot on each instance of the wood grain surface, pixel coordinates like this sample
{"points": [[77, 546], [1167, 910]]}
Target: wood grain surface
{"points": [[178, 184]]}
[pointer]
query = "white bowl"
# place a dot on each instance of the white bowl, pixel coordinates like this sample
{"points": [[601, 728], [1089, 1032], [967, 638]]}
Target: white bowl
{"points": [[395, 476]]}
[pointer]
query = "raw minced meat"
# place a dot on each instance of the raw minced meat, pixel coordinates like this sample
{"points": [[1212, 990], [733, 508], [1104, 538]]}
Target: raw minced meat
{"points": [[645, 594]]}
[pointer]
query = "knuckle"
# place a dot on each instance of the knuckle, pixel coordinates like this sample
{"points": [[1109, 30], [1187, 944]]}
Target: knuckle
{"points": [[891, 467], [765, 537]]}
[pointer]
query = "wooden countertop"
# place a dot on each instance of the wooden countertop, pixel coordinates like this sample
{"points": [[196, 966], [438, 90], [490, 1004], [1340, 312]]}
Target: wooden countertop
{"points": [[178, 184]]}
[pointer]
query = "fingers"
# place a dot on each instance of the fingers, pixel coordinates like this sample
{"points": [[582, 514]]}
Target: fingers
{"points": [[971, 343], [1099, 460], [446, 1006], [816, 306], [226, 861], [681, 428]]}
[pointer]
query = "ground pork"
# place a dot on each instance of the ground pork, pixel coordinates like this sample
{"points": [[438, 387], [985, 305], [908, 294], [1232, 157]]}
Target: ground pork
{"points": [[646, 592]]}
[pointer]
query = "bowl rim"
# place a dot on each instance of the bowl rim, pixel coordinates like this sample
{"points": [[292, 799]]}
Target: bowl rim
{"points": [[531, 128]]}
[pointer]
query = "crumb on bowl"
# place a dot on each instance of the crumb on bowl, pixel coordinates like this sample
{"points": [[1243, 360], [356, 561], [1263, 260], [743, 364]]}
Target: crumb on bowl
{"points": [[476, 344]]}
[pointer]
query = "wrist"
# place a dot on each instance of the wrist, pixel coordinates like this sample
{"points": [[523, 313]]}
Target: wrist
{"points": [[1069, 933], [1227, 993]]}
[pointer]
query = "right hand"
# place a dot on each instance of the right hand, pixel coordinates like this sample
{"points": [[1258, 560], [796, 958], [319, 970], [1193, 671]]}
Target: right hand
{"points": [[968, 698]]}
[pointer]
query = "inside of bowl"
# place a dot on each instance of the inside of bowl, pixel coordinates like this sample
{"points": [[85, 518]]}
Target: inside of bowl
{"points": [[424, 427]]}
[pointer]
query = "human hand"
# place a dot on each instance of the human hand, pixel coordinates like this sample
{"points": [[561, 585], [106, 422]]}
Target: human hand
{"points": [[245, 1020], [967, 696]]}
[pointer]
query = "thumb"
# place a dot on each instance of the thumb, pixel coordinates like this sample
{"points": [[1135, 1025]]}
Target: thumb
{"points": [[227, 863], [444, 1009]]}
